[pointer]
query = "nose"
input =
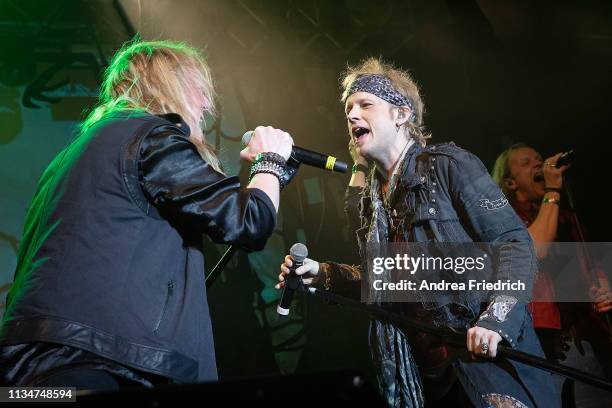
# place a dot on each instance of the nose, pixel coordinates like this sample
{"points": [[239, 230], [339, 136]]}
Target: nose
{"points": [[353, 114]]}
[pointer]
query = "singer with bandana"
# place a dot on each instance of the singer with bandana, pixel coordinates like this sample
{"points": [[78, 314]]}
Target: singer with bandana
{"points": [[432, 193]]}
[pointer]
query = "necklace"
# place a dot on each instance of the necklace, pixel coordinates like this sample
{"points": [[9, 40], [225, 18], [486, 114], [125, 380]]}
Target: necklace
{"points": [[392, 187], [397, 172]]}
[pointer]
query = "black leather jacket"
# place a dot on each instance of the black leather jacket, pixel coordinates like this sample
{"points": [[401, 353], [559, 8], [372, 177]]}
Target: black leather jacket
{"points": [[111, 259]]}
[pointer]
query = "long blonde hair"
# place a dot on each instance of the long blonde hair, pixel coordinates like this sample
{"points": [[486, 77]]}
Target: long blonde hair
{"points": [[402, 81], [158, 77]]}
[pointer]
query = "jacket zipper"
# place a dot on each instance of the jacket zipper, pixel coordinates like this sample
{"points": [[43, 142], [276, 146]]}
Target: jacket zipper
{"points": [[169, 293]]}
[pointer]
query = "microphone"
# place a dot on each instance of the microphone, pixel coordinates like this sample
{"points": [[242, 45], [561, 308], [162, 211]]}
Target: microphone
{"points": [[293, 281], [565, 158], [308, 157]]}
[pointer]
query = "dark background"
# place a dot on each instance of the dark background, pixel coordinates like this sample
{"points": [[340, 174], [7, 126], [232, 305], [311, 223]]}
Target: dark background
{"points": [[492, 73]]}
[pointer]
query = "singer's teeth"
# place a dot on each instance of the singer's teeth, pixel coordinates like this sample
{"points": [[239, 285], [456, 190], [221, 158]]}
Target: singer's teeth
{"points": [[359, 131]]}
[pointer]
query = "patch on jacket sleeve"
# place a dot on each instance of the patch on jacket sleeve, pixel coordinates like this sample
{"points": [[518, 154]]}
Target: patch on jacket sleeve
{"points": [[495, 204], [498, 309]]}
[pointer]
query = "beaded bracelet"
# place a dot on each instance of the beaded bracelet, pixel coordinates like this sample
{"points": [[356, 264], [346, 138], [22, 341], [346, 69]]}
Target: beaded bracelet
{"points": [[267, 167], [271, 163], [272, 157]]}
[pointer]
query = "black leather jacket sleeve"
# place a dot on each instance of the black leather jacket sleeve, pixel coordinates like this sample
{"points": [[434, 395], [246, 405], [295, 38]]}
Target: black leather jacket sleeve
{"points": [[187, 190]]}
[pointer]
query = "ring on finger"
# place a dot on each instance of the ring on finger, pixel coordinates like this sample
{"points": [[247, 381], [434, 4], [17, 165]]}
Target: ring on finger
{"points": [[484, 347]]}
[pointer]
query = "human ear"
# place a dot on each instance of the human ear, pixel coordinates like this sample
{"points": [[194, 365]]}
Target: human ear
{"points": [[402, 116], [510, 183]]}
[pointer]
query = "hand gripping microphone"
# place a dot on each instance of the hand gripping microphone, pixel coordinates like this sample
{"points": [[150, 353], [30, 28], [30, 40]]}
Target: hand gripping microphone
{"points": [[293, 281], [565, 158], [308, 157]]}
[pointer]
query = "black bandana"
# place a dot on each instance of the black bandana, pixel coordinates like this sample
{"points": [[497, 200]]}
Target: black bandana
{"points": [[382, 87]]}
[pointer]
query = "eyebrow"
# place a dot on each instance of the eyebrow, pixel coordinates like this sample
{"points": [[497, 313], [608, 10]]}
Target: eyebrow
{"points": [[362, 99], [529, 158]]}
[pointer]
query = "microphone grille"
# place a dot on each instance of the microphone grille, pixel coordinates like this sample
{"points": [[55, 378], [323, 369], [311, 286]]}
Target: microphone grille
{"points": [[298, 252], [246, 138]]}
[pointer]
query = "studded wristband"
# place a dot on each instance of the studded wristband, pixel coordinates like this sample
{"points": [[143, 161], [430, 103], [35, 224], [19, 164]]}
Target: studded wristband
{"points": [[271, 157]]}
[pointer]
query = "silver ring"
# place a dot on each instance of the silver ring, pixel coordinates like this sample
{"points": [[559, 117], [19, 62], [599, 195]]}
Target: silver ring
{"points": [[485, 348]]}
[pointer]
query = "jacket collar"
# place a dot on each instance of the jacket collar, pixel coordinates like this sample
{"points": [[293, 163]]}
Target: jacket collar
{"points": [[410, 177], [177, 120]]}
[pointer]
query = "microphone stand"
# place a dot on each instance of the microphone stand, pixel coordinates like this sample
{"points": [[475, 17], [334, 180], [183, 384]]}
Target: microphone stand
{"points": [[458, 339], [216, 271]]}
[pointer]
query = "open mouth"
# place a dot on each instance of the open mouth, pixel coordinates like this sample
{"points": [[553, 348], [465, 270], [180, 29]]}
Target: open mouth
{"points": [[538, 177], [359, 131]]}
